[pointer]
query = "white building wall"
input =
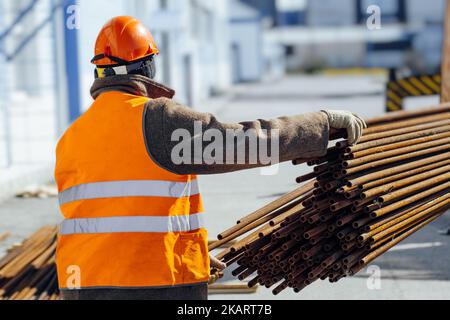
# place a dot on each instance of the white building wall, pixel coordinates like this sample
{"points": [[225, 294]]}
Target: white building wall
{"points": [[247, 43], [221, 35], [93, 15], [419, 11], [428, 15], [331, 12], [197, 53], [247, 51], [206, 43], [274, 61], [334, 55], [428, 45], [213, 45], [30, 77], [3, 95]]}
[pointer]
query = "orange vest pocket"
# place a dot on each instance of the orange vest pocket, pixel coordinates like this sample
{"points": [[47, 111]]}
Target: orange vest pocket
{"points": [[193, 249]]}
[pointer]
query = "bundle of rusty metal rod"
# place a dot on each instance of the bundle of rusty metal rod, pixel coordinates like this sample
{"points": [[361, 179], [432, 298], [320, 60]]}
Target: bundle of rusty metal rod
{"points": [[28, 271], [358, 202]]}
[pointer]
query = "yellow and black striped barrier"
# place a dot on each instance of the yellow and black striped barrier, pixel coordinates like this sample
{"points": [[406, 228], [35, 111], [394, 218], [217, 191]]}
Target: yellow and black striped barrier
{"points": [[415, 86]]}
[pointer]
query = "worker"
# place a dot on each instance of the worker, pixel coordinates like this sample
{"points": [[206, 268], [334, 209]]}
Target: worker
{"points": [[133, 225]]}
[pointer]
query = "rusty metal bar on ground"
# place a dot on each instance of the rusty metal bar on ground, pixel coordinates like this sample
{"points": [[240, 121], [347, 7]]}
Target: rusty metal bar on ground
{"points": [[231, 289], [4, 236]]}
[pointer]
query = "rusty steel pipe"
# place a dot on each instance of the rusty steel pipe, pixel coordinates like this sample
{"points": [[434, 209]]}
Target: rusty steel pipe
{"points": [[396, 152], [253, 225], [395, 139], [272, 206], [407, 123], [408, 114], [404, 182], [397, 169], [409, 200], [372, 165], [402, 175], [393, 146], [400, 131], [403, 220], [373, 255], [415, 187]]}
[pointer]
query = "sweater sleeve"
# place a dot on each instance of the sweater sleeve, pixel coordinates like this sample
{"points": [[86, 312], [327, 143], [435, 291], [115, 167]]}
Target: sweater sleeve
{"points": [[184, 141]]}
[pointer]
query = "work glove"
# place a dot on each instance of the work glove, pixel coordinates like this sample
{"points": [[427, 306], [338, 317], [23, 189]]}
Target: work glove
{"points": [[340, 119], [216, 269]]}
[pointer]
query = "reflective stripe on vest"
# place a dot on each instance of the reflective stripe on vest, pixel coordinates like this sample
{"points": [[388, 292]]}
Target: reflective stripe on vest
{"points": [[137, 188], [182, 223]]}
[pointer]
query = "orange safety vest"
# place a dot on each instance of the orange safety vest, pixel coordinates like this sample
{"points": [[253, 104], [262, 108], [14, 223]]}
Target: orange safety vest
{"points": [[128, 222]]}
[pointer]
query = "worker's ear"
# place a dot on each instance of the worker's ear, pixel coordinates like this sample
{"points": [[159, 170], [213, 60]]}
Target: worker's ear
{"points": [[152, 69], [148, 68]]}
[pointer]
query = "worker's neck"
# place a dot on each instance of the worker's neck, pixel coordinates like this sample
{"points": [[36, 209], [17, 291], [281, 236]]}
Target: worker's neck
{"points": [[131, 84]]}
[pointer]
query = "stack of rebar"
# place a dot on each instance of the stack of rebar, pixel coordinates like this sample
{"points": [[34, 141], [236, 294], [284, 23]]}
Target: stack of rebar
{"points": [[358, 202], [28, 271]]}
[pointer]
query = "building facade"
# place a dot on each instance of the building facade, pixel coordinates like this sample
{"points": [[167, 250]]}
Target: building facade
{"points": [[246, 42], [327, 33]]}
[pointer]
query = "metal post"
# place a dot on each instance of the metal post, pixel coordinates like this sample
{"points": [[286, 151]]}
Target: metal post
{"points": [[71, 54], [65, 52], [61, 105]]}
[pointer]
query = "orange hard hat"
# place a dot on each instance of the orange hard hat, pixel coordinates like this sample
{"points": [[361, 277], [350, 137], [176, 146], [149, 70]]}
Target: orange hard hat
{"points": [[123, 40]]}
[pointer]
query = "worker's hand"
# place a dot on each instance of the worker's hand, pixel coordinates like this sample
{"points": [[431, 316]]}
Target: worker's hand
{"points": [[216, 269], [339, 119], [216, 263], [213, 277]]}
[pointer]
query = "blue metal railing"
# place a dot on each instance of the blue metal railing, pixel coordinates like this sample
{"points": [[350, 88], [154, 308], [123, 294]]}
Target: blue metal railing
{"points": [[27, 39], [71, 65], [71, 60], [4, 116]]}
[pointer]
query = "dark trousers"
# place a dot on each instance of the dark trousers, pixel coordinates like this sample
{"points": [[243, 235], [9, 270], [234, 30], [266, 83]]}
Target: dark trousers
{"points": [[194, 292]]}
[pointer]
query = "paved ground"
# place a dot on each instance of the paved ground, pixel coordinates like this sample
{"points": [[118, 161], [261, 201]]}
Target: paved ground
{"points": [[417, 269]]}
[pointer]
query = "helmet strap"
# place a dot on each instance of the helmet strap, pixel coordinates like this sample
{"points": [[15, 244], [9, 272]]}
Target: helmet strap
{"points": [[102, 56], [145, 67]]}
